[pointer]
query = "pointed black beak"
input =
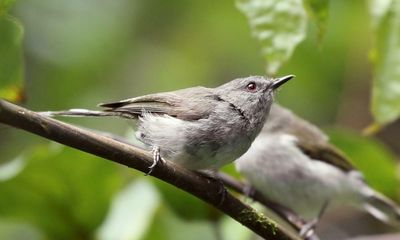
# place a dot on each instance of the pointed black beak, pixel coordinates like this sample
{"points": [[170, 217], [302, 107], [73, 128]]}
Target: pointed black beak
{"points": [[280, 81]]}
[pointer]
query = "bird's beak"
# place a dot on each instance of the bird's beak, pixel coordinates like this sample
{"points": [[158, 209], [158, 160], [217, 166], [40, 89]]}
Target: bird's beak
{"points": [[280, 81]]}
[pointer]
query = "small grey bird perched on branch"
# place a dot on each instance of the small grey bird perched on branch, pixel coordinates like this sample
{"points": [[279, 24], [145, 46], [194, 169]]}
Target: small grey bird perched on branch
{"points": [[198, 128], [293, 164]]}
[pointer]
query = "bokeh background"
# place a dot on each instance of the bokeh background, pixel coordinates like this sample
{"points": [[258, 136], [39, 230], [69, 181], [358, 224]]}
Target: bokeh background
{"points": [[80, 53]]}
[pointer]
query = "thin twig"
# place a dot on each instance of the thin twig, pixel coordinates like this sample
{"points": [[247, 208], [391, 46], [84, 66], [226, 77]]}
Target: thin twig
{"points": [[204, 188]]}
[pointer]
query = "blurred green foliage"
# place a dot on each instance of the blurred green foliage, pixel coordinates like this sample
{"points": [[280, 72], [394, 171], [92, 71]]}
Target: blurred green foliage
{"points": [[79, 53], [386, 56], [372, 158], [11, 67], [63, 192], [5, 5], [318, 10], [19, 231]]}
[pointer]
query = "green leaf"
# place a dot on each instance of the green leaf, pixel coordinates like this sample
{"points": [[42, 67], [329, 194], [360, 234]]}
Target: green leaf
{"points": [[318, 10], [279, 26], [11, 69], [5, 5], [132, 212], [371, 157], [378, 9], [63, 192], [386, 58], [180, 201], [232, 230], [12, 168], [168, 226]]}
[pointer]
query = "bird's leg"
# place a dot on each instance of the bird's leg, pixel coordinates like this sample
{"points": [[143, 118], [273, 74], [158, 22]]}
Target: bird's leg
{"points": [[156, 159], [222, 191], [309, 228], [249, 191], [213, 175]]}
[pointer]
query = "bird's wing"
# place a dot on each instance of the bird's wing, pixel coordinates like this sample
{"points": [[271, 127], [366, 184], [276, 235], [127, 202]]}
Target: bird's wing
{"points": [[310, 139], [327, 153], [187, 104]]}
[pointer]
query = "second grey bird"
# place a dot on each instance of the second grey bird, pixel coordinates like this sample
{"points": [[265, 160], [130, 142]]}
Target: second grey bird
{"points": [[199, 127], [293, 164]]}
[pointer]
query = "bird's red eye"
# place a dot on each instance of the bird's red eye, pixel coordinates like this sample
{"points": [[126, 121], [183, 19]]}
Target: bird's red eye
{"points": [[251, 87]]}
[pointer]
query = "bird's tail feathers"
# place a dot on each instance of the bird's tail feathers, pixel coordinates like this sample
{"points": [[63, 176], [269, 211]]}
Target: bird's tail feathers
{"points": [[383, 209], [86, 113]]}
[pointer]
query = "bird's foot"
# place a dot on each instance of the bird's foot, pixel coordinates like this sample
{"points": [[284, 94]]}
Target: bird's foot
{"points": [[308, 230], [156, 159], [222, 191], [249, 191]]}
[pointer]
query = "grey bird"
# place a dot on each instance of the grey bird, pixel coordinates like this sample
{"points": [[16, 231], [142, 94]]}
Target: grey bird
{"points": [[292, 163], [199, 128]]}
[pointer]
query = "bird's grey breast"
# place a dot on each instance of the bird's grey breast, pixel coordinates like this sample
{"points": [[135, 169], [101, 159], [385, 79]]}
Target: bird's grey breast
{"points": [[222, 137]]}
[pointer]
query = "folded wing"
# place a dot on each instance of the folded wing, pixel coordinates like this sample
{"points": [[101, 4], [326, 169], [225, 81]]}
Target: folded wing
{"points": [[187, 104]]}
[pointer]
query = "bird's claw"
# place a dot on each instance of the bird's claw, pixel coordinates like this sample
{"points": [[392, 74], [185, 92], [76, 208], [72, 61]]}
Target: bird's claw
{"points": [[156, 159], [308, 229], [249, 191], [222, 191]]}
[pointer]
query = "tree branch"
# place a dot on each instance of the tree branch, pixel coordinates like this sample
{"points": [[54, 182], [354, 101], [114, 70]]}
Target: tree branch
{"points": [[204, 188], [293, 219]]}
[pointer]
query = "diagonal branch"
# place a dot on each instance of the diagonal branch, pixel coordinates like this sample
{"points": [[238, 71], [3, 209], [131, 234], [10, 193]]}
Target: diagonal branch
{"points": [[204, 188], [294, 220]]}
